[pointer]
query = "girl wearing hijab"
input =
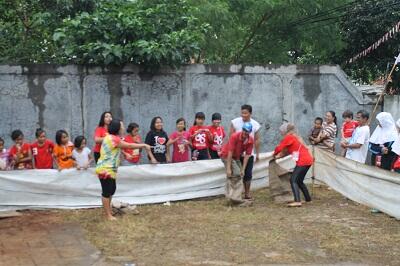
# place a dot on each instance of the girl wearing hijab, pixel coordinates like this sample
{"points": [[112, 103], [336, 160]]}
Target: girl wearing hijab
{"points": [[294, 145], [381, 141], [396, 149]]}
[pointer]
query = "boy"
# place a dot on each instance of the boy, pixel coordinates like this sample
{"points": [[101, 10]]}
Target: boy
{"points": [[218, 134], [314, 132], [239, 143], [348, 127]]}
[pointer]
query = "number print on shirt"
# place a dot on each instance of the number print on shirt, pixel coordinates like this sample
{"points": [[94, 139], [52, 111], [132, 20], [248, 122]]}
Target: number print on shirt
{"points": [[201, 138]]}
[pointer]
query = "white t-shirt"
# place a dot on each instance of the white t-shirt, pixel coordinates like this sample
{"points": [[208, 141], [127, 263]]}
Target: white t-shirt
{"points": [[81, 158], [361, 136], [238, 123]]}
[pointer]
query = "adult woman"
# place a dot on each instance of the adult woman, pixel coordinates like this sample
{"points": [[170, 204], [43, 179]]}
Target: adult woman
{"points": [[381, 141], [326, 138], [100, 132], [294, 145]]}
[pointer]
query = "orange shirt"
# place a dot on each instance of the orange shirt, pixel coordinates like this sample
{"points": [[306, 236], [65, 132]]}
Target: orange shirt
{"points": [[63, 154]]}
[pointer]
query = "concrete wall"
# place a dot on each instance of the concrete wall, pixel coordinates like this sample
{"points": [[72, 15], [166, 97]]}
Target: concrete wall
{"points": [[73, 97], [392, 105]]}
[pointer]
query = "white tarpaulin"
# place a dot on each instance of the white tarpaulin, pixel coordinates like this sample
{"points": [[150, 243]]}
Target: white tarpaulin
{"points": [[135, 184], [365, 184]]}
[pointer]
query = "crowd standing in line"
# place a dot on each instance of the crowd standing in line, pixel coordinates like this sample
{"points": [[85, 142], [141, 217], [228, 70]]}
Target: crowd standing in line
{"points": [[238, 152]]}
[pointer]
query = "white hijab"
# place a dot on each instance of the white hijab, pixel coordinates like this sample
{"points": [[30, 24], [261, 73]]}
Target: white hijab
{"points": [[396, 144], [386, 132]]}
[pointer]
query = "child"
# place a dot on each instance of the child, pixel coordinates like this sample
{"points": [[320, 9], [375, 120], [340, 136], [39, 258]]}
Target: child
{"points": [[348, 127], [107, 165], [63, 151], [20, 153], [396, 149], [200, 136], [42, 151], [217, 136], [314, 133], [4, 156], [157, 138], [100, 132], [81, 154], [181, 141], [132, 156]]}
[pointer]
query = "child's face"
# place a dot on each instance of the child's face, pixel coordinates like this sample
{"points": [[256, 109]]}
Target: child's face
{"points": [[317, 124], [347, 119], [246, 115], [180, 126], [159, 124], [135, 131], [19, 141], [107, 119], [41, 138], [64, 139], [199, 121], [1, 145], [216, 123], [83, 144]]}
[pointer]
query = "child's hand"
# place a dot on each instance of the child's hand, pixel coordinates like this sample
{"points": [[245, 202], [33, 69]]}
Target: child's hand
{"points": [[154, 161], [78, 168], [59, 169], [228, 173]]}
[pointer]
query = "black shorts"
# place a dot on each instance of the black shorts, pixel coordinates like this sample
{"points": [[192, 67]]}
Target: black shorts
{"points": [[108, 187], [214, 154], [248, 172], [202, 154]]}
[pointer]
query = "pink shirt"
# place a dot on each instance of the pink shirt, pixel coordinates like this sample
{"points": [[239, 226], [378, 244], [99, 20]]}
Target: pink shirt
{"points": [[181, 150]]}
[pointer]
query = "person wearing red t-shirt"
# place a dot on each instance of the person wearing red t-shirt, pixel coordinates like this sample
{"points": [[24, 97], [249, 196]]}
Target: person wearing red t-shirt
{"points": [[292, 144], [20, 153], [132, 156], [100, 132], [180, 139], [239, 143], [217, 135], [200, 137], [348, 127], [42, 151]]}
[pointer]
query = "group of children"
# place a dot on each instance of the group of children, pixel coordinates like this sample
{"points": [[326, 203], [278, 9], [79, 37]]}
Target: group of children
{"points": [[200, 142]]}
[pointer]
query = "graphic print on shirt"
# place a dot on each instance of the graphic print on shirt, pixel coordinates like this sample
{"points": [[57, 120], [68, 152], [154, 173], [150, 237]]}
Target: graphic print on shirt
{"points": [[159, 144]]}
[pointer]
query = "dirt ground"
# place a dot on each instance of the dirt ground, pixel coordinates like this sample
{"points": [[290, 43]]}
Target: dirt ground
{"points": [[329, 231]]}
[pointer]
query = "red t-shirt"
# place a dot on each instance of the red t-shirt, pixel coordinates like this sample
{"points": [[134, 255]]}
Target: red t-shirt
{"points": [[23, 153], [200, 137], [100, 132], [43, 155], [348, 128], [396, 164], [292, 144], [217, 137], [134, 153], [181, 149], [238, 146]]}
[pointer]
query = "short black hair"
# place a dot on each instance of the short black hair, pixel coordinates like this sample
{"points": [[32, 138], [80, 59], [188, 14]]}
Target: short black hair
{"points": [[39, 132], [59, 134], [347, 114], [364, 114], [114, 127], [78, 141], [131, 127], [103, 115], [1, 140], [16, 134], [247, 107], [199, 115], [319, 119], [180, 120], [153, 123]]}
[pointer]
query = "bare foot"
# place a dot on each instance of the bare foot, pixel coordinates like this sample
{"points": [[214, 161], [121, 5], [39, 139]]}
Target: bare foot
{"points": [[111, 218]]}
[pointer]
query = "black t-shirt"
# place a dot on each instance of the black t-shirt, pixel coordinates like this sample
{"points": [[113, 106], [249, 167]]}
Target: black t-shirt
{"points": [[158, 142]]}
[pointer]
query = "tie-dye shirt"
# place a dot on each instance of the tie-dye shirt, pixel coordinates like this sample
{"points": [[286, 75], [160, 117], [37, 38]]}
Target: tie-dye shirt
{"points": [[109, 160]]}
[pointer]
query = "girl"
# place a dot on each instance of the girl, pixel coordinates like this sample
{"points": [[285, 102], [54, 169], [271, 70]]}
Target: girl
{"points": [[4, 156], [132, 156], [180, 139], [62, 152], [217, 136], [396, 149], [107, 165], [42, 150], [326, 138], [200, 137], [20, 153], [157, 138], [100, 132], [381, 141], [81, 153], [300, 154]]}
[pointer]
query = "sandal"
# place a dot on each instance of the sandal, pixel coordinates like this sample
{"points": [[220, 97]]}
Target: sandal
{"points": [[294, 204]]}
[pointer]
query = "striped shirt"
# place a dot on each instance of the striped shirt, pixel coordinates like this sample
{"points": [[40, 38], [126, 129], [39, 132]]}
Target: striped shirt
{"points": [[330, 131]]}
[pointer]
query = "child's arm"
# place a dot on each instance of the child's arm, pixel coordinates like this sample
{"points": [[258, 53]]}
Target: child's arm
{"points": [[342, 131], [91, 159], [55, 163]]}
